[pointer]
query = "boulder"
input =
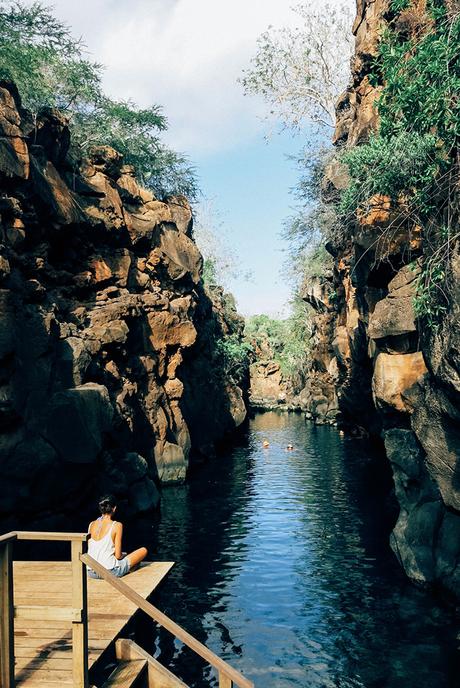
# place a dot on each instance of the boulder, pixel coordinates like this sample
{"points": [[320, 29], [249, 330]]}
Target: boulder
{"points": [[143, 221], [436, 422], [77, 421], [166, 329], [394, 315], [237, 407], [7, 322], [181, 213], [73, 361], [14, 155], [171, 462], [180, 254], [393, 375], [52, 191]]}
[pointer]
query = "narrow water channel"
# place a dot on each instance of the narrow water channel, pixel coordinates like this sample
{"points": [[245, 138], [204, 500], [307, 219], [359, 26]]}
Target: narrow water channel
{"points": [[282, 568]]}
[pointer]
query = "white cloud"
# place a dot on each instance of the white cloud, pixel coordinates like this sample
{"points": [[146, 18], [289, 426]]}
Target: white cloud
{"points": [[183, 54]]}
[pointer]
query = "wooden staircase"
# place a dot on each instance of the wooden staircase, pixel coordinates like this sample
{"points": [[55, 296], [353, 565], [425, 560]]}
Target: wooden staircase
{"points": [[129, 674], [138, 669]]}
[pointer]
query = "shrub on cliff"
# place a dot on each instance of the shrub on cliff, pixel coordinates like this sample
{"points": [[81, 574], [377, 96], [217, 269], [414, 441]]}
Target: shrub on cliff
{"points": [[49, 66], [404, 164], [284, 340], [233, 356], [413, 156]]}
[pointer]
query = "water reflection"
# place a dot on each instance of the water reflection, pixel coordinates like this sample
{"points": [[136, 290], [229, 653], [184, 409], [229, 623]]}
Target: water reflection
{"points": [[283, 569]]}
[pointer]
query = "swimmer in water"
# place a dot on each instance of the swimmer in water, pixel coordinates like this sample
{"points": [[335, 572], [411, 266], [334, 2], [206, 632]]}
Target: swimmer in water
{"points": [[290, 447], [265, 444]]}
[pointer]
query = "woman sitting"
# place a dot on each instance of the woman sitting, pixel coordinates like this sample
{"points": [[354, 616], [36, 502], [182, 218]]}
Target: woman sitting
{"points": [[105, 544]]}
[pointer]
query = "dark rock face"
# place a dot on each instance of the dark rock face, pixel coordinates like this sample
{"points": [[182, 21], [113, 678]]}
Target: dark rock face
{"points": [[391, 377], [106, 330]]}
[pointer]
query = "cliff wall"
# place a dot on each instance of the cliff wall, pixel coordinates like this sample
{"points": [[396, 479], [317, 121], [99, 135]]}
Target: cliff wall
{"points": [[110, 375], [393, 376]]}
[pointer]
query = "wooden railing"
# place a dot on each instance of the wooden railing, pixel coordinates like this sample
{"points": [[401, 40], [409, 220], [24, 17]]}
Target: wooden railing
{"points": [[228, 676], [77, 614]]}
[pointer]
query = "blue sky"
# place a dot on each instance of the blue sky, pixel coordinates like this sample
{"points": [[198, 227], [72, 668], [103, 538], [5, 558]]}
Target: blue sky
{"points": [[249, 186], [187, 55]]}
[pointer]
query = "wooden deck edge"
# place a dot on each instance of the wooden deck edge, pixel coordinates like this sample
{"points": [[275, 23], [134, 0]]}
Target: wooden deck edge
{"points": [[109, 653]]}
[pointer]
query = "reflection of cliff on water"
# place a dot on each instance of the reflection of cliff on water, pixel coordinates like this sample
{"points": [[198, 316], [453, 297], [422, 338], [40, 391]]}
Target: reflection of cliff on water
{"points": [[352, 580], [202, 529]]}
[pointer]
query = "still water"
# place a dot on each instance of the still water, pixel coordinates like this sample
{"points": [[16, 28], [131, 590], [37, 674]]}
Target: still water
{"points": [[283, 569]]}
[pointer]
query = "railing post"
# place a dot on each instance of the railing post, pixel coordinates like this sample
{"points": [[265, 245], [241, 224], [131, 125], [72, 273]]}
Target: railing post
{"points": [[6, 615], [79, 629], [224, 680]]}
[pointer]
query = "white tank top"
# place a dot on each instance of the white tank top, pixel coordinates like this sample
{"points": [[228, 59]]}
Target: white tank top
{"points": [[103, 550]]}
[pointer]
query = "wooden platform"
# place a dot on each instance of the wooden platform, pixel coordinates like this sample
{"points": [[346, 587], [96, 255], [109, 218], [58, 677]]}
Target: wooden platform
{"points": [[43, 648]]}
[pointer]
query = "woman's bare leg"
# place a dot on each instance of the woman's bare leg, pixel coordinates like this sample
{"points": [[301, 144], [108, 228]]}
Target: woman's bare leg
{"points": [[137, 556]]}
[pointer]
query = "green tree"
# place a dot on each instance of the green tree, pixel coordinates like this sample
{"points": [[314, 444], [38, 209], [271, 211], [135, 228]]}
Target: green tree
{"points": [[50, 68]]}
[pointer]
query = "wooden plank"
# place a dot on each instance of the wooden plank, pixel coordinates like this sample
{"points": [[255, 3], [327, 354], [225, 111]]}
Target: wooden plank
{"points": [[48, 613], [79, 628], [224, 680], [126, 674], [29, 683], [55, 537], [39, 676], [24, 644], [159, 676], [6, 615], [8, 537], [31, 654], [40, 663], [108, 615]]}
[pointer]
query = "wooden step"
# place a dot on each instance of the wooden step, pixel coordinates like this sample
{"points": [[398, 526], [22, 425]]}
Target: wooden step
{"points": [[159, 676], [128, 674]]}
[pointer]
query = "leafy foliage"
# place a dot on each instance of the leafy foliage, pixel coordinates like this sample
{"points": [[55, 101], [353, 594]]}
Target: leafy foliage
{"points": [[234, 355], [404, 164], [286, 340], [421, 80], [313, 223], [412, 158], [49, 66]]}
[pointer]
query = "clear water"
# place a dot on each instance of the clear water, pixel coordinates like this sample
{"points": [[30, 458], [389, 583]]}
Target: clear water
{"points": [[283, 569]]}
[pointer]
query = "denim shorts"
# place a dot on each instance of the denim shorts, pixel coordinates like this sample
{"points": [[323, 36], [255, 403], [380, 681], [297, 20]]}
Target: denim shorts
{"points": [[121, 569]]}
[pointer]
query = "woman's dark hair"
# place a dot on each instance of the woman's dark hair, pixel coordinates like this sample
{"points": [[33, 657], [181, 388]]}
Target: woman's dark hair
{"points": [[107, 504]]}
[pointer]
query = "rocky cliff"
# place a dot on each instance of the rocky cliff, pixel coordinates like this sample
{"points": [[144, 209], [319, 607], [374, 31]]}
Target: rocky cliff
{"points": [[110, 373], [269, 389], [393, 376]]}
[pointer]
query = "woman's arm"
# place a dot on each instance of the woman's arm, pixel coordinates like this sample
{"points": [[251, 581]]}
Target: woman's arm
{"points": [[118, 539]]}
